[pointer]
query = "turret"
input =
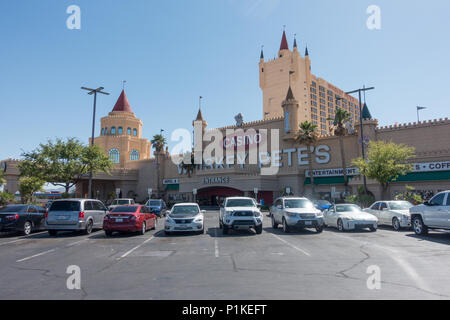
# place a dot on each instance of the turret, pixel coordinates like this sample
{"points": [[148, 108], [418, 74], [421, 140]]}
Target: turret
{"points": [[290, 111]]}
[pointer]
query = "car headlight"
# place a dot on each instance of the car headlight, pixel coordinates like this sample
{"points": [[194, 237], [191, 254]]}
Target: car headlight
{"points": [[199, 219], [256, 214], [319, 214], [169, 220], [291, 214], [347, 219], [228, 213]]}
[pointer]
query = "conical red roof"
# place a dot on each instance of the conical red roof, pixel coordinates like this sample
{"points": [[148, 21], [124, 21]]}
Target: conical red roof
{"points": [[284, 43], [122, 103]]}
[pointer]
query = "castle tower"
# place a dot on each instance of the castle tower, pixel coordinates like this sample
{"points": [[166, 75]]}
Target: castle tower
{"points": [[317, 98], [290, 112], [121, 134]]}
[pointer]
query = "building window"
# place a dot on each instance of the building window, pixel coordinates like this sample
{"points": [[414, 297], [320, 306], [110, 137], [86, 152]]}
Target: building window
{"points": [[129, 131], [134, 155], [106, 131], [120, 130], [114, 155], [103, 132], [113, 130], [313, 84], [135, 132]]}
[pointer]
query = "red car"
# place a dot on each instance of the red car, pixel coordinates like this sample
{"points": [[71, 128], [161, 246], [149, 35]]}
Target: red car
{"points": [[130, 218]]}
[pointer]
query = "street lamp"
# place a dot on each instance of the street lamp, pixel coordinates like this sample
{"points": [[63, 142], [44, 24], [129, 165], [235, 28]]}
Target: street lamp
{"points": [[93, 92], [364, 89]]}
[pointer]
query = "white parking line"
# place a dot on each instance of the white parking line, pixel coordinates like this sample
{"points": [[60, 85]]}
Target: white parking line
{"points": [[36, 255], [9, 242], [137, 247], [75, 243], [216, 244], [291, 245]]}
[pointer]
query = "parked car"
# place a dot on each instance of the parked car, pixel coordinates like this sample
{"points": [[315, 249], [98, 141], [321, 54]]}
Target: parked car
{"points": [[185, 217], [433, 214], [322, 205], [240, 213], [392, 213], [296, 213], [22, 218], [129, 218], [349, 217], [120, 202], [75, 215], [157, 206]]}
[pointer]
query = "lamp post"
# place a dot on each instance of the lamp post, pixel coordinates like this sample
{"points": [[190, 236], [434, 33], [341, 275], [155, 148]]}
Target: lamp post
{"points": [[363, 152], [93, 92]]}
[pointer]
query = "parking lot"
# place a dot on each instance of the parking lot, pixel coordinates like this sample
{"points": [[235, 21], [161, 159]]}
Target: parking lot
{"points": [[242, 265]]}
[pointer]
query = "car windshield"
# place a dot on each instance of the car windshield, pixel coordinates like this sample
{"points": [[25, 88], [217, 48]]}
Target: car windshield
{"points": [[298, 204], [322, 202], [348, 207], [400, 205], [12, 209], [118, 202], [240, 203], [125, 209], [192, 210], [154, 203], [65, 206]]}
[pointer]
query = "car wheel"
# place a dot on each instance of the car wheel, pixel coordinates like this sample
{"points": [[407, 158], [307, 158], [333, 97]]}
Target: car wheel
{"points": [[52, 232], [419, 227], [340, 225], [143, 229], [319, 229], [396, 224], [27, 228], [259, 229], [286, 228], [108, 233], [274, 224], [89, 227], [224, 229], [220, 225], [373, 228]]}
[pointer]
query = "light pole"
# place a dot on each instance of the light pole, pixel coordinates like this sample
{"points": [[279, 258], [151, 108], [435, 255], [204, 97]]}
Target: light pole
{"points": [[418, 109], [93, 92], [363, 151]]}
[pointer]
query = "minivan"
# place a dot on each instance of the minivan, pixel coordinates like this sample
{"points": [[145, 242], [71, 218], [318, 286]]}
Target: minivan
{"points": [[75, 215]]}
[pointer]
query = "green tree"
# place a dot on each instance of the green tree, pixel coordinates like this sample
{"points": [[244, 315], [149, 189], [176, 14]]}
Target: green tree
{"points": [[307, 136], [5, 198], [28, 186], [158, 142], [2, 178], [385, 162], [410, 195], [340, 118], [64, 163]]}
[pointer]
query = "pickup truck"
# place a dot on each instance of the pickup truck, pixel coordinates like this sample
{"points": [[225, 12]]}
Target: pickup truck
{"points": [[433, 214], [240, 213]]}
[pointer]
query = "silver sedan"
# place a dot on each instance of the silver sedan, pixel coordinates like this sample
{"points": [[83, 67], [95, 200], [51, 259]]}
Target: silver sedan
{"points": [[349, 217]]}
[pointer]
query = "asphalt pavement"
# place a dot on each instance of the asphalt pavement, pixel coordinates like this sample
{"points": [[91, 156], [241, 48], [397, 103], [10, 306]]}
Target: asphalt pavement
{"points": [[242, 265]]}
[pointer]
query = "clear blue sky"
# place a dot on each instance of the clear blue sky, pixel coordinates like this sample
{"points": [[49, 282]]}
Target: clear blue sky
{"points": [[170, 52]]}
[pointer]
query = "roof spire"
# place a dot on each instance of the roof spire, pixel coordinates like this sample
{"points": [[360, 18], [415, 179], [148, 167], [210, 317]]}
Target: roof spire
{"points": [[295, 41], [284, 45], [366, 113], [290, 95], [122, 103], [306, 51], [262, 53]]}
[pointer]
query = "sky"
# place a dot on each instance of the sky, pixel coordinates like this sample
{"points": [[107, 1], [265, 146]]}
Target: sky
{"points": [[171, 52]]}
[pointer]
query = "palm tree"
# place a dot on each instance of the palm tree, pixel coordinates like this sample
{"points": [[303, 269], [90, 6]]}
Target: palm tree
{"points": [[308, 136], [158, 142], [340, 118]]}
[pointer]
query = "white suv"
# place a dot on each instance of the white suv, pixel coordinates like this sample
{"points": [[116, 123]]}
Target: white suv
{"points": [[433, 214], [240, 213]]}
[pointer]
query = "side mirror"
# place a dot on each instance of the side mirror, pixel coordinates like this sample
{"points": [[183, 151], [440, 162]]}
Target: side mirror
{"points": [[259, 206], [426, 203], [279, 206], [203, 211]]}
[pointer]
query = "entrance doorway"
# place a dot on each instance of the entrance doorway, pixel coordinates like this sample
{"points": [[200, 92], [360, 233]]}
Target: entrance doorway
{"points": [[214, 196]]}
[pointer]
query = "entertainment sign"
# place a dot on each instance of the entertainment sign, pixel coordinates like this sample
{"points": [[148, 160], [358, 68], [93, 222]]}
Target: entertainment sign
{"points": [[333, 172]]}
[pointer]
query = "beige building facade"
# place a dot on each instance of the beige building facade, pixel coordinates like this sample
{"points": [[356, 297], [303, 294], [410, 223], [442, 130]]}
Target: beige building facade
{"points": [[271, 162]]}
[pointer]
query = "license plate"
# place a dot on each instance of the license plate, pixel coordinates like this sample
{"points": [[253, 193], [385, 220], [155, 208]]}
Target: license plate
{"points": [[308, 223], [62, 217], [119, 220]]}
